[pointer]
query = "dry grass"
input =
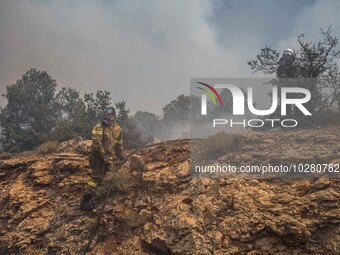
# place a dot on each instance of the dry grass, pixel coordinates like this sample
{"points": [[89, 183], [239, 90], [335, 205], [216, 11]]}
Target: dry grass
{"points": [[220, 144], [47, 148], [5, 155]]}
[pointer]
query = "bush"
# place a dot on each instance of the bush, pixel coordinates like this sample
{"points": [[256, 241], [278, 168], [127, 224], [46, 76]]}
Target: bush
{"points": [[27, 154], [220, 144], [5, 155], [47, 148]]}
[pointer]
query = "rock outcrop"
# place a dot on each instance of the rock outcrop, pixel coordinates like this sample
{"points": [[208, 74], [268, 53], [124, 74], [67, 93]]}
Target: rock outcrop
{"points": [[159, 209]]}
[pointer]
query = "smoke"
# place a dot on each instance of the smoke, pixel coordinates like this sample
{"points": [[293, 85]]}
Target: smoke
{"points": [[146, 52], [142, 52]]}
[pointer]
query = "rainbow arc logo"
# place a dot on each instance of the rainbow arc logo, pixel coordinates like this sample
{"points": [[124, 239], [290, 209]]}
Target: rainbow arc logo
{"points": [[211, 92]]}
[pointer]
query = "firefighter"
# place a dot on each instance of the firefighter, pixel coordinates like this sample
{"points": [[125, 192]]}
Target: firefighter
{"points": [[287, 67], [106, 147]]}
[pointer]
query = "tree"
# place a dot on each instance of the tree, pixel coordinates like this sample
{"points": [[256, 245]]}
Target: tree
{"points": [[29, 117], [35, 113], [132, 136], [149, 124], [95, 106], [72, 117], [177, 111], [122, 112], [315, 60]]}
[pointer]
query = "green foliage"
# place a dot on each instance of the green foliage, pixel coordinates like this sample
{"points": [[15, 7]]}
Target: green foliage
{"points": [[77, 116], [267, 61], [316, 60], [35, 113], [313, 59], [95, 105], [122, 113], [94, 109], [72, 118], [29, 116], [132, 136], [220, 144], [149, 124], [177, 111]]}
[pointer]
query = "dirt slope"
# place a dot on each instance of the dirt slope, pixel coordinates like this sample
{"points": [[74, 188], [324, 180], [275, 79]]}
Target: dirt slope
{"points": [[161, 210]]}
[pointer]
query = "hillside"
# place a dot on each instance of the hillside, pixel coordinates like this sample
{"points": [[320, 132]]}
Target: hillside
{"points": [[160, 209]]}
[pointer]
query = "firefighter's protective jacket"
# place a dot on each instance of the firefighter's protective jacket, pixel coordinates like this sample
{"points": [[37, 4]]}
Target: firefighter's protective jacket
{"points": [[106, 141]]}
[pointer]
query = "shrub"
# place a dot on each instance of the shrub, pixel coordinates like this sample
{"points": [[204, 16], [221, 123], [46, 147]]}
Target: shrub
{"points": [[5, 155], [46, 148], [28, 153], [220, 144]]}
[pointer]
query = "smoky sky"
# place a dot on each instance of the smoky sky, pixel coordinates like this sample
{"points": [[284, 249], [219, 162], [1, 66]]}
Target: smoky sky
{"points": [[145, 52]]}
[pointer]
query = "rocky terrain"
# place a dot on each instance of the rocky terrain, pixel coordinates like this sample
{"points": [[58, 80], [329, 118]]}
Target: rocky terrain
{"points": [[159, 209]]}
